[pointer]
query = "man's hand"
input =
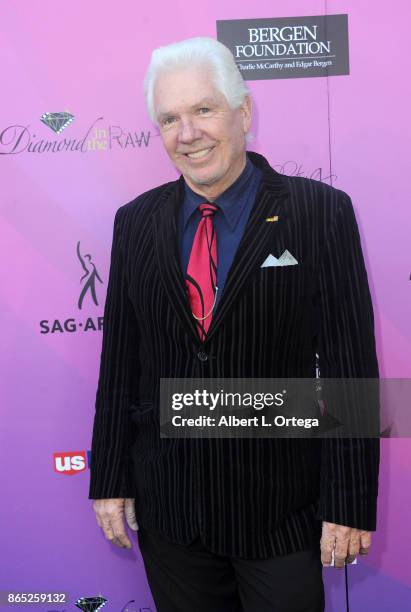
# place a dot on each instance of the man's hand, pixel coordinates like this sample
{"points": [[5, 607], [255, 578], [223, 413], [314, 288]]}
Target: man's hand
{"points": [[110, 515], [348, 543]]}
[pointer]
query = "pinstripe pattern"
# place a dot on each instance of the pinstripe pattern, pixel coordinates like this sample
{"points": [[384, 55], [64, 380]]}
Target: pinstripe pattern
{"points": [[252, 498]]}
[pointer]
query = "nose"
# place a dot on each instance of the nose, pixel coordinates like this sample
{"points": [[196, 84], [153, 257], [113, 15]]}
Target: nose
{"points": [[188, 132]]}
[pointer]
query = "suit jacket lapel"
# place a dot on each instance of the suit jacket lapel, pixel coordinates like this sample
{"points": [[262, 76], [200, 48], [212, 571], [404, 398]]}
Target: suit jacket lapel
{"points": [[254, 245], [256, 241], [165, 229]]}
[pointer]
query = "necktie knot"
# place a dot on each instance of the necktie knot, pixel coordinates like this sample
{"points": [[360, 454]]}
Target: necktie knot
{"points": [[207, 209]]}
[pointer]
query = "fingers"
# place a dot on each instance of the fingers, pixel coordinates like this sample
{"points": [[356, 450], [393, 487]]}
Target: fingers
{"points": [[99, 523], [353, 546], [341, 545], [109, 534], [344, 543], [129, 511], [327, 543], [365, 542], [110, 517], [118, 532]]}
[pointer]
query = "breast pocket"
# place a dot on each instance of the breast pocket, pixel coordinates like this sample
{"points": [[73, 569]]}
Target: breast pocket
{"points": [[273, 276], [280, 299], [282, 271]]}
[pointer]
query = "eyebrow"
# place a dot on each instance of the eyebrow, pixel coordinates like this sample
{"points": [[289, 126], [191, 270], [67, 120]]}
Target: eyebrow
{"points": [[205, 100]]}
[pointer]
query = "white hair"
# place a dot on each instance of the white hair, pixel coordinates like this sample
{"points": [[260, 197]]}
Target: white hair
{"points": [[200, 50]]}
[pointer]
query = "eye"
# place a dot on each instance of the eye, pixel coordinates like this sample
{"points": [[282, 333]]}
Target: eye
{"points": [[167, 121], [203, 110]]}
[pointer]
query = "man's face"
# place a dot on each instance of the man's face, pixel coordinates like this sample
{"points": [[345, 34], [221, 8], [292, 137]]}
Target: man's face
{"points": [[203, 136]]}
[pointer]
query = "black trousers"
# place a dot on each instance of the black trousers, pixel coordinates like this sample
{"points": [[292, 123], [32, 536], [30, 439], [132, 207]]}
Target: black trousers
{"points": [[193, 579]]}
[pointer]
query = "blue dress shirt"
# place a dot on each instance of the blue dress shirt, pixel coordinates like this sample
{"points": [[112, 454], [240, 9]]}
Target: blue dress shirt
{"points": [[235, 205]]}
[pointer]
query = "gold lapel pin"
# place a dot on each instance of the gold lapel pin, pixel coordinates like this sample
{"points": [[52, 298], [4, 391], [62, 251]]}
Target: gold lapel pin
{"points": [[271, 219]]}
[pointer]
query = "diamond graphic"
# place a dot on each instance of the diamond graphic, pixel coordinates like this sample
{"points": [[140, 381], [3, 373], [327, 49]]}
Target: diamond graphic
{"points": [[90, 604], [57, 121]]}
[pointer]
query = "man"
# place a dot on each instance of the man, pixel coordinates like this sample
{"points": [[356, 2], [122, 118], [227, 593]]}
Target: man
{"points": [[229, 524]]}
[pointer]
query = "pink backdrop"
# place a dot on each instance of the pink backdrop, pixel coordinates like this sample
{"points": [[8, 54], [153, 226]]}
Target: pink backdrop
{"points": [[89, 58]]}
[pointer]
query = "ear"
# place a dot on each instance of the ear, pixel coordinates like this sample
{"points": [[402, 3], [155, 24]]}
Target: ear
{"points": [[246, 109]]}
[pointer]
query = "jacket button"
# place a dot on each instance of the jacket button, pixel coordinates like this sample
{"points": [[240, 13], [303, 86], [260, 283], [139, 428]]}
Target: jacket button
{"points": [[202, 356]]}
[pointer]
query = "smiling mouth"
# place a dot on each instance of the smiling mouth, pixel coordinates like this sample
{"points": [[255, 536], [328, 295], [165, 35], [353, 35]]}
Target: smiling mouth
{"points": [[199, 154]]}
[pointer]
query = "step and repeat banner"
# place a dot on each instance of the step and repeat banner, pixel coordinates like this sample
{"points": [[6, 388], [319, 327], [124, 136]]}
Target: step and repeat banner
{"points": [[331, 102]]}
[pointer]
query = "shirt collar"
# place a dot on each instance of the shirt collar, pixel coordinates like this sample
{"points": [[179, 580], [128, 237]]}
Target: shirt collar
{"points": [[231, 201]]}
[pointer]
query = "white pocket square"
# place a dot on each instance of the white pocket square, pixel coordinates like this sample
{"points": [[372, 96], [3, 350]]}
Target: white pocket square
{"points": [[286, 259]]}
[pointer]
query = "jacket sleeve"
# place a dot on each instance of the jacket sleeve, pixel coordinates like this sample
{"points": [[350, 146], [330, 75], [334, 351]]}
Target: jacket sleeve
{"points": [[346, 348], [118, 377]]}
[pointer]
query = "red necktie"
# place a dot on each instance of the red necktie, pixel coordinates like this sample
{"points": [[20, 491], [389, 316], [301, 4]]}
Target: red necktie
{"points": [[201, 275]]}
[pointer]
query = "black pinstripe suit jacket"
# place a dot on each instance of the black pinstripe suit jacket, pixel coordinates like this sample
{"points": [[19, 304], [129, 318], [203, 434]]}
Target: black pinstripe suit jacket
{"points": [[252, 498]]}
